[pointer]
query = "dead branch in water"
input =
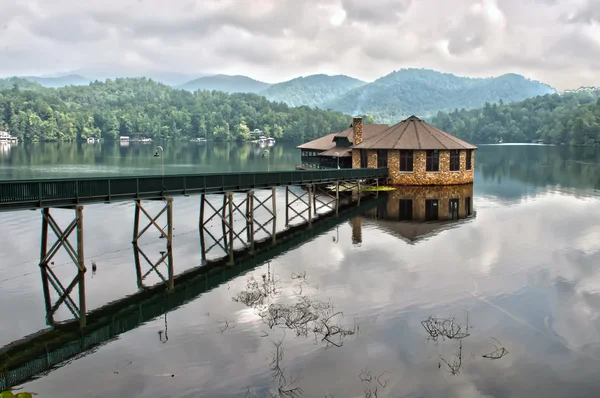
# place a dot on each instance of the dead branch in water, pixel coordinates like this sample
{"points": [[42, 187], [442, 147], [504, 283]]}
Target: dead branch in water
{"points": [[286, 387], [454, 367], [498, 353], [303, 317], [225, 325], [446, 328]]}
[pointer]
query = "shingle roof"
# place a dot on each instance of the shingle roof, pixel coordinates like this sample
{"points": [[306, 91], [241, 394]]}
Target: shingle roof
{"points": [[325, 143], [320, 144], [413, 133], [341, 152], [369, 130]]}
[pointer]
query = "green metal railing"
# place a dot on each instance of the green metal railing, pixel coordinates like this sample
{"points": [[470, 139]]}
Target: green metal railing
{"points": [[30, 194]]}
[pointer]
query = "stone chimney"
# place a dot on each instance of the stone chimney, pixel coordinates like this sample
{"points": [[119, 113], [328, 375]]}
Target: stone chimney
{"points": [[357, 134]]}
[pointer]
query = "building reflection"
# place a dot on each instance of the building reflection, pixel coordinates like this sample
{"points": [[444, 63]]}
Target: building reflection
{"points": [[414, 213]]}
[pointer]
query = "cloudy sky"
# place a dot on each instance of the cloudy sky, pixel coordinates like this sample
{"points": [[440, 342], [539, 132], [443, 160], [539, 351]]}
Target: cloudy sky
{"points": [[555, 41]]}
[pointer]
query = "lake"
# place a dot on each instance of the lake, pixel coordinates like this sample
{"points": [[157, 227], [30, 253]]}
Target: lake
{"points": [[502, 304]]}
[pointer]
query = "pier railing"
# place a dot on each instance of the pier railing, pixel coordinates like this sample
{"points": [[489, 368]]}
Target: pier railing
{"points": [[28, 194]]}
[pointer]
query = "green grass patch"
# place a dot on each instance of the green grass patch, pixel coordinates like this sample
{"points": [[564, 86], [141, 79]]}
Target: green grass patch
{"points": [[379, 188]]}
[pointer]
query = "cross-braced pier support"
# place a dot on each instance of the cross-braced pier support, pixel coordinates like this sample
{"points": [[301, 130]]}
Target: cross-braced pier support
{"points": [[328, 197], [49, 278], [306, 201], [166, 255], [226, 212]]}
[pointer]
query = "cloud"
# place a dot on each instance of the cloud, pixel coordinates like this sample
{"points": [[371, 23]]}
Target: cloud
{"points": [[275, 40]]}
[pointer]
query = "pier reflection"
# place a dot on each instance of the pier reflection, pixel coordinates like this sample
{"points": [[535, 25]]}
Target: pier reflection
{"points": [[48, 348], [415, 213]]}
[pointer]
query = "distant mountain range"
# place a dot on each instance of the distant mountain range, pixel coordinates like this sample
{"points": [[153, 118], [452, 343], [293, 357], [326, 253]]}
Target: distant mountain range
{"points": [[59, 81], [422, 92], [425, 92], [226, 83], [314, 90], [389, 99]]}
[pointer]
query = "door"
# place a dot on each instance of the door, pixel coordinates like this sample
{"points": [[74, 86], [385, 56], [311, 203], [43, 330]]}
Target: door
{"points": [[453, 209]]}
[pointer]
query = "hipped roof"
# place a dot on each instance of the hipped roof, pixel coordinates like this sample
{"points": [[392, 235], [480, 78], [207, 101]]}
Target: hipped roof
{"points": [[413, 133]]}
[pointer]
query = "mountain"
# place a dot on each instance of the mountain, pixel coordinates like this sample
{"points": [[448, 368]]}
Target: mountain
{"points": [[59, 81], [570, 118], [20, 82], [143, 106], [226, 83], [311, 90], [424, 92]]}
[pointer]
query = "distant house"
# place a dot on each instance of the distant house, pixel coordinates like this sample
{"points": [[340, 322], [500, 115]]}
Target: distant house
{"points": [[414, 152]]}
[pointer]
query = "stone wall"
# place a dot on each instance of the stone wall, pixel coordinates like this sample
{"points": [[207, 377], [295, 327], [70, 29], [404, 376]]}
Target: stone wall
{"points": [[356, 158], [372, 158], [419, 176]]}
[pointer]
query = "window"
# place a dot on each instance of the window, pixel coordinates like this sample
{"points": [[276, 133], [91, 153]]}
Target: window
{"points": [[406, 160], [406, 209], [363, 159], [453, 209], [469, 162], [454, 160], [382, 158], [431, 209], [433, 160], [468, 206]]}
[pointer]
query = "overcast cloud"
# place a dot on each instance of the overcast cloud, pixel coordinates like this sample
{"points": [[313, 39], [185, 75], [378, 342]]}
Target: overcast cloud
{"points": [[555, 41]]}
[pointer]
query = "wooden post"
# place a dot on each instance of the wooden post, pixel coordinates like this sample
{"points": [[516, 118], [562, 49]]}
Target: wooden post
{"points": [[138, 266], [171, 274], [309, 186], [287, 205], [230, 199], [274, 199], [81, 266], [136, 222], [43, 253], [223, 222], [314, 200], [250, 219], [201, 228], [337, 198]]}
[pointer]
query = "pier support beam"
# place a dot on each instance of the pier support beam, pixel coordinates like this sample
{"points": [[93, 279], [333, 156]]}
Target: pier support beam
{"points": [[307, 203], [228, 212], [76, 254], [327, 198], [166, 255]]}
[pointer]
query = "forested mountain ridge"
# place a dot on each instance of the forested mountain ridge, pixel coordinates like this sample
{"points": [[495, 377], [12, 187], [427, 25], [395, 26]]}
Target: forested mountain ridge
{"points": [[19, 81], [424, 92], [59, 81], [571, 118], [226, 83], [313, 90], [141, 106]]}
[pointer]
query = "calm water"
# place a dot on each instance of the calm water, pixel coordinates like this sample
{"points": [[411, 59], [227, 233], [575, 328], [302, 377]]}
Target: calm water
{"points": [[523, 270]]}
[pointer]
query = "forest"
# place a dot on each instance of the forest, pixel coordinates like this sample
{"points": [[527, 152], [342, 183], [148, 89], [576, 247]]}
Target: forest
{"points": [[572, 118], [141, 106]]}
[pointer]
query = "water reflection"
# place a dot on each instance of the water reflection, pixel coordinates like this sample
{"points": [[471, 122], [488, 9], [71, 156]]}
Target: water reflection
{"points": [[414, 213]]}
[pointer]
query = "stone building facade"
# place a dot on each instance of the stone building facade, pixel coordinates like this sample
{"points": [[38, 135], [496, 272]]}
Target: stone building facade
{"points": [[415, 137], [419, 175]]}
